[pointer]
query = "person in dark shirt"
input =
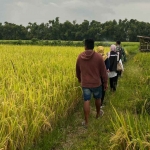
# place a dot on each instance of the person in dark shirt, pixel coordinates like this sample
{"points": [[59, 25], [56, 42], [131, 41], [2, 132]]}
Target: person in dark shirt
{"points": [[122, 56], [90, 68], [113, 60]]}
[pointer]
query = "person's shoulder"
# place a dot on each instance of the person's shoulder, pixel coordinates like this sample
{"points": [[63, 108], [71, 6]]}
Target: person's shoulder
{"points": [[113, 53], [79, 57], [118, 47], [96, 53], [80, 54]]}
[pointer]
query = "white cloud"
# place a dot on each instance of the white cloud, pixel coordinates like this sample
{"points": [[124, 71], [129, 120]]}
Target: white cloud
{"points": [[25, 11]]}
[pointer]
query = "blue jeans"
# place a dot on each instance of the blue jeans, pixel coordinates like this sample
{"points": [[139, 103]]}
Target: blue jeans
{"points": [[87, 93]]}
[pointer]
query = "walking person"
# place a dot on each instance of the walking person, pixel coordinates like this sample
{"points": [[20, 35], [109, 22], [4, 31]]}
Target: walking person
{"points": [[113, 60], [122, 56], [89, 68], [101, 51]]}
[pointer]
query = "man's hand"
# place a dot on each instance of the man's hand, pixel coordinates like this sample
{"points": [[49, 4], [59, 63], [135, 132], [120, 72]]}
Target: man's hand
{"points": [[105, 87]]}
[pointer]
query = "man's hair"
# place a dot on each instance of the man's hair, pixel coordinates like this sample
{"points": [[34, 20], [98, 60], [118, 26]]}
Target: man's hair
{"points": [[89, 43], [118, 42]]}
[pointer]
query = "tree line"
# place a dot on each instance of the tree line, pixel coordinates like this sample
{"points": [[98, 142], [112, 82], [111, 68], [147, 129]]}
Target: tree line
{"points": [[124, 30]]}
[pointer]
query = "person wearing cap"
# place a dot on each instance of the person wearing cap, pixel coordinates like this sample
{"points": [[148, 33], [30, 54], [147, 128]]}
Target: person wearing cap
{"points": [[100, 50]]}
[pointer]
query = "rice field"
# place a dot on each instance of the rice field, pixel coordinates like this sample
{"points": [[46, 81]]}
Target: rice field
{"points": [[37, 87]]}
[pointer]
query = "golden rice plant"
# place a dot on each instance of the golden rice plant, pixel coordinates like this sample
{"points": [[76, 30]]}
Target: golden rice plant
{"points": [[131, 128], [131, 132], [37, 87]]}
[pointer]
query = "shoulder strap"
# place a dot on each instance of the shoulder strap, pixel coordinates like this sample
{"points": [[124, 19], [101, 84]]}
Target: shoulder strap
{"points": [[114, 55]]}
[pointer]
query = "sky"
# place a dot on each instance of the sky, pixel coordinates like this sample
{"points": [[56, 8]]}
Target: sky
{"points": [[41, 11]]}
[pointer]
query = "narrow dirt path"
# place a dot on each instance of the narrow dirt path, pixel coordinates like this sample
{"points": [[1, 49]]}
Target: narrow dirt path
{"points": [[78, 137]]}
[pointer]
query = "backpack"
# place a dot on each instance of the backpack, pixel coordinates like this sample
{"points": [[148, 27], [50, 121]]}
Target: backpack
{"points": [[120, 50]]}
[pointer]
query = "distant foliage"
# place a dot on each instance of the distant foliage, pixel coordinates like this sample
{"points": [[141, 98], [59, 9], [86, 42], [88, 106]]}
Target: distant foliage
{"points": [[35, 41], [35, 79], [124, 30]]}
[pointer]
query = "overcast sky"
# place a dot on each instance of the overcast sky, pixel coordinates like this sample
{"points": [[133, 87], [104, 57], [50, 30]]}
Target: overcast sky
{"points": [[41, 11]]}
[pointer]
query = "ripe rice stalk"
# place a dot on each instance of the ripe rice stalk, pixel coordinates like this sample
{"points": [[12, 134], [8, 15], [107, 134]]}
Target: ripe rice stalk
{"points": [[130, 133], [36, 96]]}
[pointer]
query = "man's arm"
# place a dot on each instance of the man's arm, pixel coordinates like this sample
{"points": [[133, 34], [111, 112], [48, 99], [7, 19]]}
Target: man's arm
{"points": [[78, 72], [107, 64]]}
